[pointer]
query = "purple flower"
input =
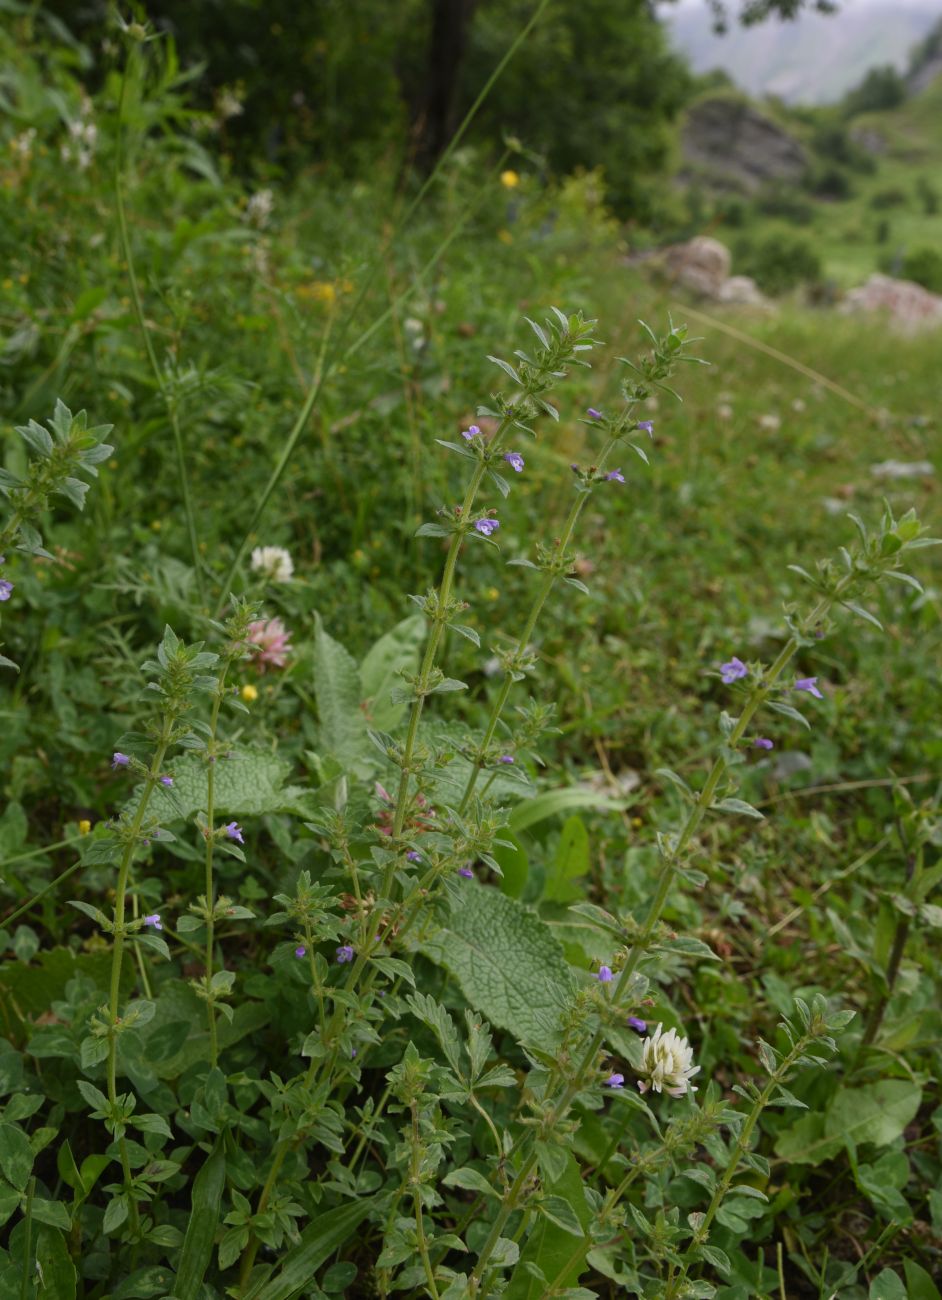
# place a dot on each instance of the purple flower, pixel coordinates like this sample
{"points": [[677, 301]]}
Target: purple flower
{"points": [[5, 588], [574, 468], [638, 1025], [472, 432], [466, 872], [300, 951], [167, 781], [414, 855], [733, 670], [763, 742], [594, 414], [487, 526], [234, 832], [119, 760], [615, 474], [615, 1081], [514, 460], [154, 920], [345, 953], [647, 426], [809, 684], [506, 758], [605, 975]]}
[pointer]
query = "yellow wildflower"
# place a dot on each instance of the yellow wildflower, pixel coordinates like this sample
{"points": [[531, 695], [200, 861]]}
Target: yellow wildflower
{"points": [[249, 692], [84, 826], [509, 179]]}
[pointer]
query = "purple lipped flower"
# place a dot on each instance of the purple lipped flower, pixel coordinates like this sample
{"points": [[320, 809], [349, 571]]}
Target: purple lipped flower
{"points": [[487, 526], [119, 760], [604, 975], [167, 781], [353, 1053], [472, 432], [647, 426], [514, 460], [763, 742], [300, 951], [615, 475], [809, 684], [733, 670], [637, 1024], [345, 953], [506, 758], [593, 413], [5, 588], [414, 855], [234, 832], [153, 920], [574, 467], [615, 1081], [466, 872]]}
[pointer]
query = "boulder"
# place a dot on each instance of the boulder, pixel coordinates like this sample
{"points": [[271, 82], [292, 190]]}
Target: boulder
{"points": [[701, 265], [743, 289], [908, 305], [739, 147]]}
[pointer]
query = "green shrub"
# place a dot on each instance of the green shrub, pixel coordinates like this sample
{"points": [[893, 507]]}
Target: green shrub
{"points": [[924, 265], [778, 263]]}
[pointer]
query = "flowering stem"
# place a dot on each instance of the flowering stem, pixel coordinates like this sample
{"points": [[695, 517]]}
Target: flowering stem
{"points": [[421, 1240], [210, 846], [546, 586], [117, 951], [159, 377], [641, 943]]}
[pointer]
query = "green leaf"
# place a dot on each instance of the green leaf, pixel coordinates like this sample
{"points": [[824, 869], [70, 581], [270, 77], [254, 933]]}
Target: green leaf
{"points": [[805, 1143], [115, 1214], [339, 693], [16, 1155], [514, 865], [887, 1285], [318, 1242], [508, 964], [195, 1256], [558, 1256], [560, 1212], [876, 1113], [52, 1212], [919, 1285], [397, 650], [470, 1180], [570, 862], [553, 802], [250, 783], [54, 1265], [737, 806]]}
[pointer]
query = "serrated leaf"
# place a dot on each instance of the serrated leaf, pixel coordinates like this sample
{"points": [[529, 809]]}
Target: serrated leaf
{"points": [[508, 964], [338, 691]]}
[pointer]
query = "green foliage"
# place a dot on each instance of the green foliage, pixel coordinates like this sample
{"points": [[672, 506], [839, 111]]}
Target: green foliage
{"points": [[779, 262], [924, 265]]}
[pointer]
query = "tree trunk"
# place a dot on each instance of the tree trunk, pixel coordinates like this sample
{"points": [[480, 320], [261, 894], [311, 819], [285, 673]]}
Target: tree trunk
{"points": [[451, 23]]}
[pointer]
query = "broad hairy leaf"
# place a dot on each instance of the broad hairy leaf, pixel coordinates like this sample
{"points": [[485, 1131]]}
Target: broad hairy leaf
{"points": [[508, 964], [877, 1112], [339, 694], [379, 672]]}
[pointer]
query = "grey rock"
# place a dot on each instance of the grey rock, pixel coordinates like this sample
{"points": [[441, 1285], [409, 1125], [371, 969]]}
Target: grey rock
{"points": [[740, 146]]}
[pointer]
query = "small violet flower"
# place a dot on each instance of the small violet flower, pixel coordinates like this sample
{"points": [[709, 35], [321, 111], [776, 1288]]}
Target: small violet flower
{"points": [[604, 975], [119, 760], [615, 475], [472, 432], [5, 588], [637, 1024], [414, 855], [763, 742], [809, 684], [487, 526], [647, 426], [514, 460], [345, 953], [615, 1081], [594, 414], [234, 832], [153, 920], [732, 671], [167, 781], [506, 758], [300, 951], [466, 872]]}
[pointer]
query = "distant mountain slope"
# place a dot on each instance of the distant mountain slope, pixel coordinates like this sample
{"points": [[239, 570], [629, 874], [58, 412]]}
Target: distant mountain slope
{"points": [[813, 60]]}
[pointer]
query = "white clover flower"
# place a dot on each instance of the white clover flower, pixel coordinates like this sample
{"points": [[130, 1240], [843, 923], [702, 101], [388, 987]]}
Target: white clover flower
{"points": [[667, 1061], [259, 208], [273, 562]]}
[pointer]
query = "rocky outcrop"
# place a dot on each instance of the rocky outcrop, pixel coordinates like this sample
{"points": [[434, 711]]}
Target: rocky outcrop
{"points": [[702, 266], [739, 147], [908, 305]]}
